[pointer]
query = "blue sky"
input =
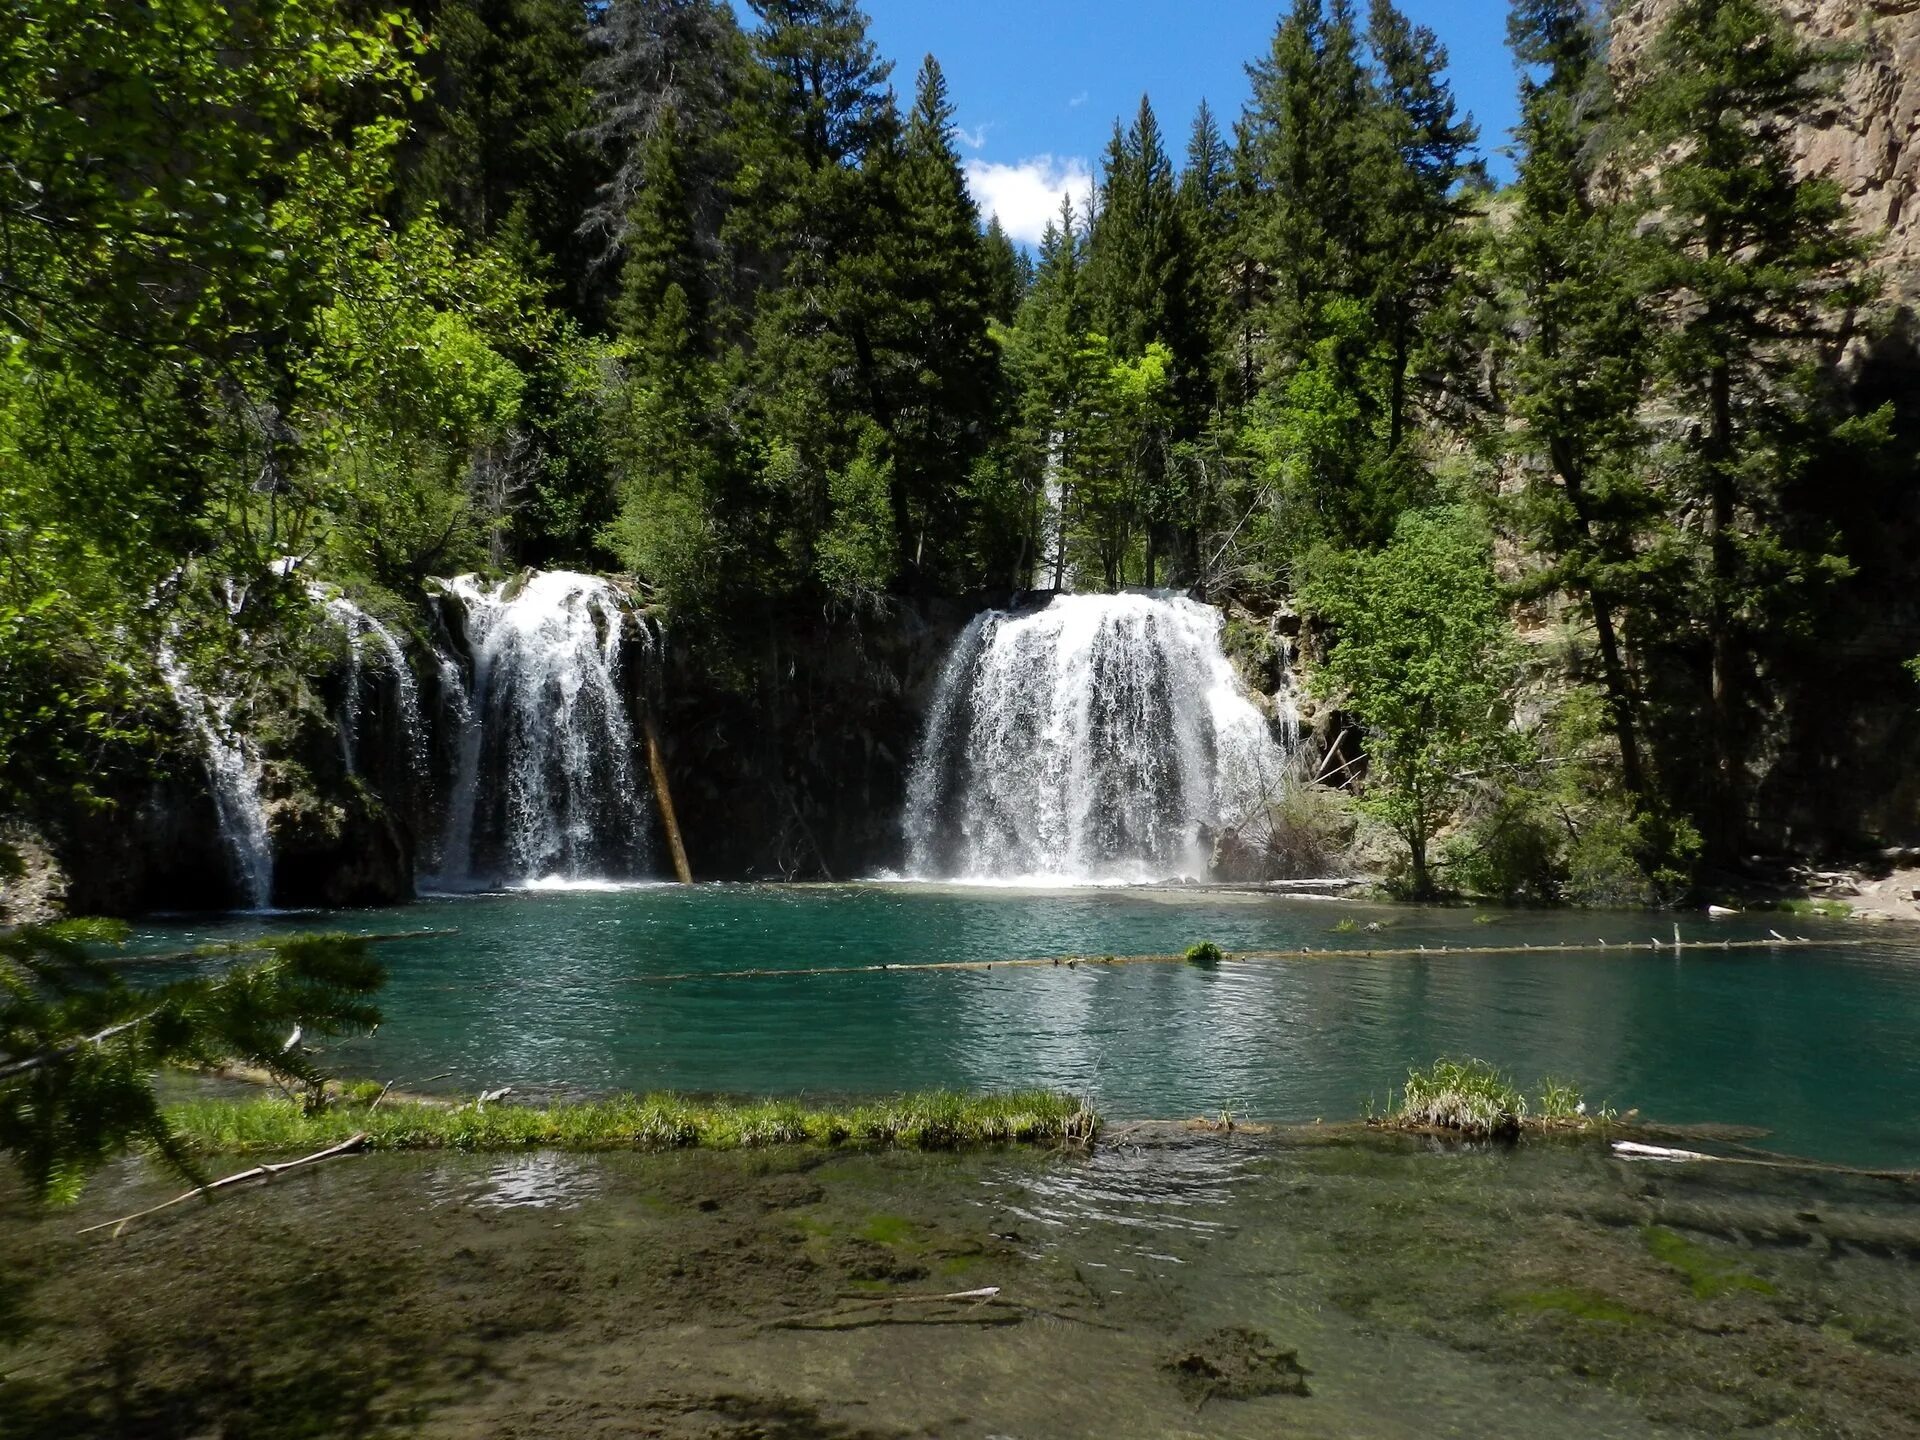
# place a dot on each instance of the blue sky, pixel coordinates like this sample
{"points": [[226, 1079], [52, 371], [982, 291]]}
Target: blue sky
{"points": [[1038, 84]]}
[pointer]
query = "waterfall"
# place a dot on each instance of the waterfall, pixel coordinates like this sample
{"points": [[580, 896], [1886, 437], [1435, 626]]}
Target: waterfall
{"points": [[359, 626], [544, 783], [233, 768], [1099, 739]]}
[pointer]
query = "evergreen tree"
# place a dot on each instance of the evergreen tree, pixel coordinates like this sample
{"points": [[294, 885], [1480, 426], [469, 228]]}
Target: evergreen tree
{"points": [[1308, 123], [1009, 273], [937, 286], [1577, 378], [650, 58], [1207, 196], [1415, 206], [661, 249], [1752, 268], [501, 133]]}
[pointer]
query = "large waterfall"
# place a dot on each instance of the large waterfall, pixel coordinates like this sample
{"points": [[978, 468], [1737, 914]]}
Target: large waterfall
{"points": [[1099, 739], [544, 786], [233, 770]]}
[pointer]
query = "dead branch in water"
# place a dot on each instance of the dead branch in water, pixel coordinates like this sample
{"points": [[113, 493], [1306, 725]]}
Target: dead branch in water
{"points": [[351, 1146]]}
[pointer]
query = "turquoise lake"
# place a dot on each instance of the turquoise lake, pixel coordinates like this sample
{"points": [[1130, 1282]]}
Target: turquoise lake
{"points": [[550, 993]]}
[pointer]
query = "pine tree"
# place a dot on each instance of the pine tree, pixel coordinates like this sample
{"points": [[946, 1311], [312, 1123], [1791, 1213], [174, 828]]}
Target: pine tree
{"points": [[1577, 378], [650, 58], [1308, 125], [501, 132], [1752, 268], [661, 249], [1207, 195], [1420, 162], [1009, 273], [936, 293]]}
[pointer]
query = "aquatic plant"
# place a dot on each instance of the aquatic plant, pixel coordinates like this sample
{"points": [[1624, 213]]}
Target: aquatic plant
{"points": [[1469, 1096], [1206, 953], [935, 1120], [1476, 1100]]}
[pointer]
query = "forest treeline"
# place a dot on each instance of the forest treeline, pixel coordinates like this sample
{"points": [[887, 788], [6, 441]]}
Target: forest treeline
{"points": [[379, 292]]}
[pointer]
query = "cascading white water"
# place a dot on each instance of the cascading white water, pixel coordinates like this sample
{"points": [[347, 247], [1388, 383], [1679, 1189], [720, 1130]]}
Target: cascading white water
{"points": [[544, 779], [1095, 740], [358, 626], [233, 770]]}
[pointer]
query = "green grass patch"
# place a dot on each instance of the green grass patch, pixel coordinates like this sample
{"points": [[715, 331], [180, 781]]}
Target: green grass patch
{"points": [[937, 1120], [1810, 909], [1206, 954], [1708, 1274], [1575, 1304], [1478, 1101]]}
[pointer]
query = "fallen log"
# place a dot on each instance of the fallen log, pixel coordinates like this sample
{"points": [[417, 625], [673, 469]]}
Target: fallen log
{"points": [[1329, 952]]}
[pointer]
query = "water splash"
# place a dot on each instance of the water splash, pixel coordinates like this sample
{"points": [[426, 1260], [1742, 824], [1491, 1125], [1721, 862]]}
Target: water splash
{"points": [[234, 775], [544, 781], [1097, 740]]}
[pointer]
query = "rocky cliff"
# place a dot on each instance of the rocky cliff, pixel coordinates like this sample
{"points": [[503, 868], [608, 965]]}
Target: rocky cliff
{"points": [[1867, 137]]}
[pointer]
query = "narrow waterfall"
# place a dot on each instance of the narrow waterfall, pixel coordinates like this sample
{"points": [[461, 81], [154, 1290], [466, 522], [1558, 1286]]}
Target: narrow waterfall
{"points": [[233, 772], [358, 627], [544, 783], [1099, 739]]}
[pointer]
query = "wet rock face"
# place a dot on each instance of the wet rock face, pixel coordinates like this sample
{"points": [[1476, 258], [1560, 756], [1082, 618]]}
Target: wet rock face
{"points": [[788, 756], [1867, 136]]}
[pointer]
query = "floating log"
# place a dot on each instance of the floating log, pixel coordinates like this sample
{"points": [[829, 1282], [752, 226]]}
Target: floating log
{"points": [[657, 765], [1094, 962]]}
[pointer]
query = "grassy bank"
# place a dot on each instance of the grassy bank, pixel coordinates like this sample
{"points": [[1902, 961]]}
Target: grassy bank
{"points": [[937, 1120]]}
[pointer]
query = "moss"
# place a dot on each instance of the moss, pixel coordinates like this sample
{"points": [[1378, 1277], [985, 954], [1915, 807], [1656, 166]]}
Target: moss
{"points": [[1708, 1274], [1574, 1303], [933, 1121], [888, 1230]]}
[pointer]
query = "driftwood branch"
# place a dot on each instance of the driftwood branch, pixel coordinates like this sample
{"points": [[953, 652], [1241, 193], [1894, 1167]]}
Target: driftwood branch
{"points": [[350, 1146]]}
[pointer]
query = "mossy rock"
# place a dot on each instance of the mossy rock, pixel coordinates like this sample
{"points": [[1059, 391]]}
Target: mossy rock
{"points": [[1237, 1364]]}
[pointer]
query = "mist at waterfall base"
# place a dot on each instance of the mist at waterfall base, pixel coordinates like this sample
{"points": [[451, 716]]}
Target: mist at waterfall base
{"points": [[550, 994], [1101, 739]]}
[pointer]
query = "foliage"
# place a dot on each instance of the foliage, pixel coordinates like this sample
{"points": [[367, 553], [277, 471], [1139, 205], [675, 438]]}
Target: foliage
{"points": [[1423, 658], [1205, 954], [79, 1045]]}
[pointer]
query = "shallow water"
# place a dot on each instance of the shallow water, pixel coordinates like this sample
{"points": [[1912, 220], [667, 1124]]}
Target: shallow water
{"points": [[549, 991], [1166, 1285]]}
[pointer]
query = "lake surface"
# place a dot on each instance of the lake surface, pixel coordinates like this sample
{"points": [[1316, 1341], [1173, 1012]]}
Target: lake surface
{"points": [[550, 992]]}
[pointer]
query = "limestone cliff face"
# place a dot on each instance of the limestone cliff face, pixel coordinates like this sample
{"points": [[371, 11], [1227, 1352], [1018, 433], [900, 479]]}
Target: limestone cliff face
{"points": [[1867, 138]]}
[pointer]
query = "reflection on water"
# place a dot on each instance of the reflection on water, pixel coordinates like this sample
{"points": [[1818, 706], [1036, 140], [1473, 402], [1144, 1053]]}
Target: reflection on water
{"points": [[549, 992], [546, 1181]]}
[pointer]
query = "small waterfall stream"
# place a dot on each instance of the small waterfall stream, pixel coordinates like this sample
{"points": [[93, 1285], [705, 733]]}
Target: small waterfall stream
{"points": [[1096, 740], [233, 770], [358, 627], [544, 785]]}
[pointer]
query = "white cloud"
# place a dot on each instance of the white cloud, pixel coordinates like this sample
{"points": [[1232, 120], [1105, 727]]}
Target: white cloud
{"points": [[1077, 101], [1026, 196], [976, 138]]}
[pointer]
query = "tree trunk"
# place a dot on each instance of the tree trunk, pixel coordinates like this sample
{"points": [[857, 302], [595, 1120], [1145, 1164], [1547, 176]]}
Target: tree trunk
{"points": [[1726, 824]]}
